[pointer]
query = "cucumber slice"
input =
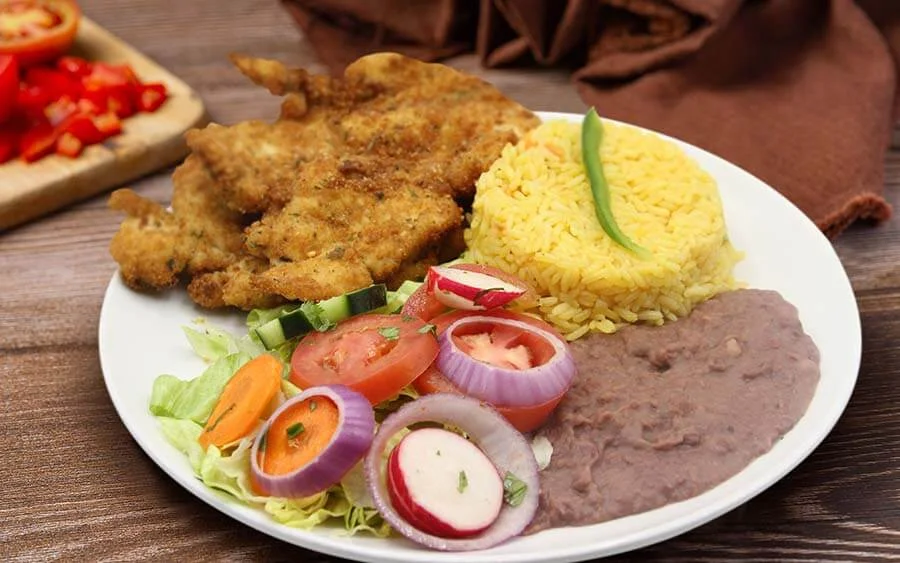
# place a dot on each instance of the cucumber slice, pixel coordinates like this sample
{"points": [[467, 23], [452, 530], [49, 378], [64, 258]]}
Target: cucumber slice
{"points": [[321, 315], [367, 299]]}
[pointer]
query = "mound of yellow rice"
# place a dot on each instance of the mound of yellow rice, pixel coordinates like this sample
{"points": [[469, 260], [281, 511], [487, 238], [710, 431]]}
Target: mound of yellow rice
{"points": [[533, 215]]}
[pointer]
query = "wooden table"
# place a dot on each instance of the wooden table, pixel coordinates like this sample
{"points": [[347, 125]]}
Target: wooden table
{"points": [[75, 486]]}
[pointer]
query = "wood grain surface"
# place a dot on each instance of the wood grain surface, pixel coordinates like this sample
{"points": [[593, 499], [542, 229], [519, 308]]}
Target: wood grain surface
{"points": [[76, 487], [149, 141]]}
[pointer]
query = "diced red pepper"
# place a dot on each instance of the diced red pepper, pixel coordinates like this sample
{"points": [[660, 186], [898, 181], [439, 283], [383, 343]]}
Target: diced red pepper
{"points": [[120, 102], [108, 75], [69, 145], [151, 96], [74, 66], [37, 142], [87, 106], [54, 82], [109, 124], [32, 100], [58, 111], [116, 99], [8, 144], [82, 126]]}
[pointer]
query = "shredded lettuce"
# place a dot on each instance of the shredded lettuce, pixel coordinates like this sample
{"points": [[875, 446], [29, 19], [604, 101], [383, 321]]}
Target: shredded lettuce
{"points": [[182, 408], [212, 343], [384, 408], [230, 474], [196, 398], [258, 317]]}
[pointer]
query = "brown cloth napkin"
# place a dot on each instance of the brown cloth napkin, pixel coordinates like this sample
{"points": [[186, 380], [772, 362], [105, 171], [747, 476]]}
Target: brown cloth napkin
{"points": [[802, 93]]}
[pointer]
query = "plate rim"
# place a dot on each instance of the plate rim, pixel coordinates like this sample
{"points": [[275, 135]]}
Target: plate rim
{"points": [[317, 541]]}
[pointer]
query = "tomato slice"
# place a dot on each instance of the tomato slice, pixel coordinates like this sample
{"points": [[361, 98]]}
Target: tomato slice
{"points": [[36, 31], [422, 304], [376, 355], [524, 419]]}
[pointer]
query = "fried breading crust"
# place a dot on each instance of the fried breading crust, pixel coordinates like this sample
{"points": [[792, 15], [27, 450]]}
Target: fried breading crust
{"points": [[353, 184]]}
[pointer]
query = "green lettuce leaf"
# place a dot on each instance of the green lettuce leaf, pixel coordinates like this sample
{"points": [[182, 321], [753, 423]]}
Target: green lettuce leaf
{"points": [[183, 434], [196, 398], [258, 317], [213, 343], [230, 474]]}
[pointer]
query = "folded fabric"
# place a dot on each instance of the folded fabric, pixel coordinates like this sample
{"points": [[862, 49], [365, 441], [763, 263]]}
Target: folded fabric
{"points": [[801, 93]]}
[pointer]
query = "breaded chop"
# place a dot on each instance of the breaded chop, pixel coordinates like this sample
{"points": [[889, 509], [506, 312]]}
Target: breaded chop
{"points": [[392, 226], [439, 125], [353, 184]]}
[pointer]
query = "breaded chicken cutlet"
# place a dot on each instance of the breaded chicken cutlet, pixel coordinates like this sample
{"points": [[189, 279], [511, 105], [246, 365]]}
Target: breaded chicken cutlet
{"points": [[358, 181]]}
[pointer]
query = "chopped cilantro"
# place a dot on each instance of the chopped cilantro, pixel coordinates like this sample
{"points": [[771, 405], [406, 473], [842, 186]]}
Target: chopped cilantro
{"points": [[389, 332], [316, 316], [295, 430], [463, 482], [428, 328], [514, 489]]}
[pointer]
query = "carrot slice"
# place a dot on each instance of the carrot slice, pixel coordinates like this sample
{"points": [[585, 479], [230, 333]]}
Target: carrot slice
{"points": [[243, 402], [299, 435]]}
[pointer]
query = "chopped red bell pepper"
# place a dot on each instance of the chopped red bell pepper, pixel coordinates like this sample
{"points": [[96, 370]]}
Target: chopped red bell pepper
{"points": [[58, 111], [108, 123], [70, 104], [117, 99], [121, 102], [82, 126], [87, 106], [54, 82], [151, 96], [69, 145], [32, 100], [37, 142], [74, 66], [109, 75]]}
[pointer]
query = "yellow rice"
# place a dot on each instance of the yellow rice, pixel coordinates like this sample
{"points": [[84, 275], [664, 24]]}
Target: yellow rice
{"points": [[533, 215]]}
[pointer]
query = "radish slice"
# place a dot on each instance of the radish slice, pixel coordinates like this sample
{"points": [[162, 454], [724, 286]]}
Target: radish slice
{"points": [[348, 444], [507, 449], [470, 291], [443, 484]]}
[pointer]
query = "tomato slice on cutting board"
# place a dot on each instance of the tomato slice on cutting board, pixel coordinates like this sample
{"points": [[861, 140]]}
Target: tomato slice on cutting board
{"points": [[36, 31], [375, 355]]}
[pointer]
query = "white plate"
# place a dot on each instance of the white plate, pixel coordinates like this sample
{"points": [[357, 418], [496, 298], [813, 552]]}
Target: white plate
{"points": [[140, 338]]}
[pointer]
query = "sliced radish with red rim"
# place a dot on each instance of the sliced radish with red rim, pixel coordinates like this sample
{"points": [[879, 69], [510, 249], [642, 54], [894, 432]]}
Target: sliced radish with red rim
{"points": [[443, 484], [502, 444], [470, 291]]}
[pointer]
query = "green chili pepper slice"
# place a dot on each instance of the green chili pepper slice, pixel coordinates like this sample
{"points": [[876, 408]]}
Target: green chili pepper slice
{"points": [[591, 137]]}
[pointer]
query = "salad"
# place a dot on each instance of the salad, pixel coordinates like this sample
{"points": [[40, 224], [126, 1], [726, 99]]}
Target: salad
{"points": [[378, 410]]}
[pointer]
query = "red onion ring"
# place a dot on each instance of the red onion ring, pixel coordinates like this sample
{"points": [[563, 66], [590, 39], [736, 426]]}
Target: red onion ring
{"points": [[348, 444], [502, 386], [501, 443]]}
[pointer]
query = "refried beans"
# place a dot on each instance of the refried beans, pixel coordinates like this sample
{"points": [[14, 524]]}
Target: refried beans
{"points": [[661, 414]]}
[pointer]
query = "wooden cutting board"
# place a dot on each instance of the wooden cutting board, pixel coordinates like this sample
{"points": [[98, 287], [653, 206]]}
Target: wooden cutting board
{"points": [[149, 141]]}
